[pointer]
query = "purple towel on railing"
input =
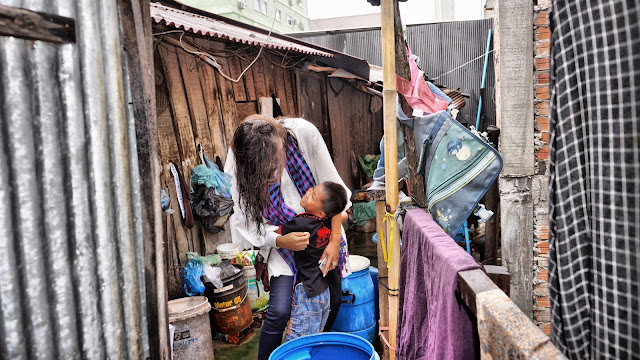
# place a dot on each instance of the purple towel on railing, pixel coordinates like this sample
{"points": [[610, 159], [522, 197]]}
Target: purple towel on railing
{"points": [[432, 322]]}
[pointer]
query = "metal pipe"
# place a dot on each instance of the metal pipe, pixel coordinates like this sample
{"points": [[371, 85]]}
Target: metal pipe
{"points": [[484, 77]]}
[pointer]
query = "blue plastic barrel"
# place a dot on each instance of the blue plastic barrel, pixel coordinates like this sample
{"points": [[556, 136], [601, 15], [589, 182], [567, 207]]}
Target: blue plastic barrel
{"points": [[357, 313], [322, 346], [373, 272]]}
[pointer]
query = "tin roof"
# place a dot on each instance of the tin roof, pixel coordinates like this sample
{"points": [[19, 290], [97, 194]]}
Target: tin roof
{"points": [[208, 26]]}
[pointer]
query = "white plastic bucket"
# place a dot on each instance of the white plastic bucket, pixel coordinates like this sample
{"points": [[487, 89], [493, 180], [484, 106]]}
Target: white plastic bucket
{"points": [[228, 251], [192, 335]]}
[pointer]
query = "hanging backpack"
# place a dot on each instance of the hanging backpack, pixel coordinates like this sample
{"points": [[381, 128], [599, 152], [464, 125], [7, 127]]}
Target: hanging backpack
{"points": [[458, 167]]}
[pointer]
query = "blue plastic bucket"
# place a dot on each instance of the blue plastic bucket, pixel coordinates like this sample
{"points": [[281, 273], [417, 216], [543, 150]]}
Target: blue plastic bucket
{"points": [[332, 345], [357, 313]]}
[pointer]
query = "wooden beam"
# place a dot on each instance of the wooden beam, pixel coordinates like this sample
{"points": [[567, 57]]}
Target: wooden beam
{"points": [[500, 276], [33, 25], [492, 202], [416, 181], [470, 284]]}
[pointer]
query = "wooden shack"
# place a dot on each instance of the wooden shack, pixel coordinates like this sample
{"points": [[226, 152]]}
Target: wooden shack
{"points": [[198, 105]]}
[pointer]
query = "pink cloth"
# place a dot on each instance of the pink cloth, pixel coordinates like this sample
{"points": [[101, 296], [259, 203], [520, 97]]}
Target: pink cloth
{"points": [[417, 92], [432, 322]]}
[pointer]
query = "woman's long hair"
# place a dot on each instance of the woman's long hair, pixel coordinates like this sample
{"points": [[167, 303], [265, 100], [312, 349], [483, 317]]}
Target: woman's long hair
{"points": [[258, 145]]}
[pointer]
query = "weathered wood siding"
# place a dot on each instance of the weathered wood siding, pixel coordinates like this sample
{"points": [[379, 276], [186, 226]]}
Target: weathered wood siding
{"points": [[197, 105]]}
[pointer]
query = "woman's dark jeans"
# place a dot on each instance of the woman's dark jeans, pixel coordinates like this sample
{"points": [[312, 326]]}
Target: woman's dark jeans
{"points": [[279, 311]]}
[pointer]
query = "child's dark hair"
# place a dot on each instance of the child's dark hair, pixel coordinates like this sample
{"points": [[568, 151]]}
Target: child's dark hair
{"points": [[335, 199]]}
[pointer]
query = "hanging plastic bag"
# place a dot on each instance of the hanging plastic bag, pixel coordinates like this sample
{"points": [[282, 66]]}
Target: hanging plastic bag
{"points": [[191, 274], [209, 175], [210, 208]]}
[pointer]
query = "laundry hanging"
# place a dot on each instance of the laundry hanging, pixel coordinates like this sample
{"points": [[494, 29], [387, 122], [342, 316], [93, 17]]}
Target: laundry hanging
{"points": [[184, 197], [420, 94], [432, 322]]}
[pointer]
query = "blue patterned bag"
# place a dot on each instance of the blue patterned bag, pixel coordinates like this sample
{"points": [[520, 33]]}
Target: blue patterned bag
{"points": [[458, 167]]}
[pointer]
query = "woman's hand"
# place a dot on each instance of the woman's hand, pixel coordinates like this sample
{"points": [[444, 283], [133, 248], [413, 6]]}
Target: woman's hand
{"points": [[295, 241]]}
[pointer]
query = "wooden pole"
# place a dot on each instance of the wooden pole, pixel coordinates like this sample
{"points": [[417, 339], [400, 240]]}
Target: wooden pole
{"points": [[383, 276], [391, 160]]}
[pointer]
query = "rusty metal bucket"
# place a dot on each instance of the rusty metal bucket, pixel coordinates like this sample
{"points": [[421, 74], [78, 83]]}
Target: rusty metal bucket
{"points": [[230, 306]]}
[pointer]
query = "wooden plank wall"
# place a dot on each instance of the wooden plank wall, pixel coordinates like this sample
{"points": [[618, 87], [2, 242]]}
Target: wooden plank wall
{"points": [[356, 127], [197, 105]]}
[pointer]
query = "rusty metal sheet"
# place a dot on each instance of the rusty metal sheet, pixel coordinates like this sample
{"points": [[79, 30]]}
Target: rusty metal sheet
{"points": [[202, 25]]}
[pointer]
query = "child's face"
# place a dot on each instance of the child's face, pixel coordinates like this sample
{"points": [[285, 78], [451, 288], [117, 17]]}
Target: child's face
{"points": [[312, 200]]}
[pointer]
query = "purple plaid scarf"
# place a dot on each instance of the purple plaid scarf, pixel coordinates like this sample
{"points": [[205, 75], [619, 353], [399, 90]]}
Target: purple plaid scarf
{"points": [[279, 213]]}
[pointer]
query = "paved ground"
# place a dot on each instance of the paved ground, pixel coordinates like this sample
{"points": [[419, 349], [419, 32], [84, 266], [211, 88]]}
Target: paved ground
{"points": [[246, 351]]}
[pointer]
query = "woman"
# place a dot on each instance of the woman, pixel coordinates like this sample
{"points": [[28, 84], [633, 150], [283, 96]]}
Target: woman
{"points": [[273, 163]]}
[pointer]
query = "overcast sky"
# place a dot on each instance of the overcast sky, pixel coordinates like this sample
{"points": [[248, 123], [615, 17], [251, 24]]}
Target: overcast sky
{"points": [[412, 11]]}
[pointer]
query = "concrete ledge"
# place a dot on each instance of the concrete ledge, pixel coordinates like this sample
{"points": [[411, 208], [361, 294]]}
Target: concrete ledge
{"points": [[506, 333]]}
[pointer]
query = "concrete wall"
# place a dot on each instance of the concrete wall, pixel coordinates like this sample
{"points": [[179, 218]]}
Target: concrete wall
{"points": [[541, 314], [513, 26], [523, 116]]}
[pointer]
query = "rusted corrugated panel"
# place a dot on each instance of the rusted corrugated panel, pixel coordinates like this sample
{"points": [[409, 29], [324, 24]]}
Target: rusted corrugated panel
{"points": [[457, 99], [441, 48], [70, 251], [207, 26]]}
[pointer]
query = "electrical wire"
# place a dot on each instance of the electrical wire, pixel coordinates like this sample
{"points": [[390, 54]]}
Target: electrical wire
{"points": [[211, 60]]}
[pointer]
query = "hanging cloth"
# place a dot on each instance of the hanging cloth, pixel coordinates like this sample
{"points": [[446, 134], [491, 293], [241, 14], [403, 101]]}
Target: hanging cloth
{"points": [[419, 94], [183, 193]]}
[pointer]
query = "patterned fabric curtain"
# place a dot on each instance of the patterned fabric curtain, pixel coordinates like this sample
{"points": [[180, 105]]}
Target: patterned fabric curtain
{"points": [[594, 255]]}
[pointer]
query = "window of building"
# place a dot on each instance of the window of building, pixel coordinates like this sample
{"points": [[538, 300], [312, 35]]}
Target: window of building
{"points": [[301, 3], [289, 20], [256, 5], [278, 15], [264, 6]]}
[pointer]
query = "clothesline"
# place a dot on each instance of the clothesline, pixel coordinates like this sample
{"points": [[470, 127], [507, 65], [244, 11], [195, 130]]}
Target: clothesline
{"points": [[465, 64]]}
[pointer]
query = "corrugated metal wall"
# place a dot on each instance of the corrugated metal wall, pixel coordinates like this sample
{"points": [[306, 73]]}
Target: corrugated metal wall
{"points": [[441, 47], [71, 283]]}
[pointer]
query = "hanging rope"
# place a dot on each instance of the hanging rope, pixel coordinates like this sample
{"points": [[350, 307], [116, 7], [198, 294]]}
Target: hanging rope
{"points": [[463, 65], [384, 339], [387, 253]]}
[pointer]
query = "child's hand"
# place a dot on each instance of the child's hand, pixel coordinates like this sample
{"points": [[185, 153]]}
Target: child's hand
{"points": [[296, 241]]}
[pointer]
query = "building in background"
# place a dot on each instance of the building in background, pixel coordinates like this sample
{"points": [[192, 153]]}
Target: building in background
{"points": [[286, 15], [412, 12]]}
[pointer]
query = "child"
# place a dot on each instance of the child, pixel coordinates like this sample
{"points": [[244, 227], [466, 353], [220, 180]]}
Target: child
{"points": [[311, 294]]}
